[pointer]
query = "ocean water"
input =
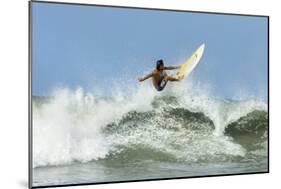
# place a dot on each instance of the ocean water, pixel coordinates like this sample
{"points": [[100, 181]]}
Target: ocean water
{"points": [[81, 138]]}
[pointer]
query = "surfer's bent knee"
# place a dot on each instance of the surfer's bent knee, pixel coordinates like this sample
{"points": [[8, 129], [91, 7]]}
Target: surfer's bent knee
{"points": [[170, 78]]}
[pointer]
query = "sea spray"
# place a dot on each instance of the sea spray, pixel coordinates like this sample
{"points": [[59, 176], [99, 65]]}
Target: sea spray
{"points": [[183, 123]]}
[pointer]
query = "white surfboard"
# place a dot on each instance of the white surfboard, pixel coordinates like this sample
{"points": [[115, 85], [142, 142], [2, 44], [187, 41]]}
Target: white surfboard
{"points": [[187, 66]]}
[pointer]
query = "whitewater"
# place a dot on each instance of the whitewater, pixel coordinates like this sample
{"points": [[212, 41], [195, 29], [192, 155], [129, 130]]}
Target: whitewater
{"points": [[183, 131]]}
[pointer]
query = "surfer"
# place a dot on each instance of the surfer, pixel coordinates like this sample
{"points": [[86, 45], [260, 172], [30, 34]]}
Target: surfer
{"points": [[159, 77]]}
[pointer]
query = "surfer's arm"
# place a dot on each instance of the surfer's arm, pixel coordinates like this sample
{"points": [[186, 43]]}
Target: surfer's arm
{"points": [[145, 77], [171, 67]]}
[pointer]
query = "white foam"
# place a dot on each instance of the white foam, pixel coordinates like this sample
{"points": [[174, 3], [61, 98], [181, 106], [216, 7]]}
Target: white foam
{"points": [[68, 128]]}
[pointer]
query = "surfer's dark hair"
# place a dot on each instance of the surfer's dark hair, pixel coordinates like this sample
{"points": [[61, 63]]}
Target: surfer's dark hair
{"points": [[159, 63]]}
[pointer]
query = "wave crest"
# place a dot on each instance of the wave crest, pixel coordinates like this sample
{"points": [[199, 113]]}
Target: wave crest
{"points": [[184, 126]]}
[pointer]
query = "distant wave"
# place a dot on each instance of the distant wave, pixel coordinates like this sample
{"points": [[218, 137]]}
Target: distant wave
{"points": [[181, 124]]}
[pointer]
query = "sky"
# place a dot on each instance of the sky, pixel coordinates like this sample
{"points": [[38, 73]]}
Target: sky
{"points": [[95, 47]]}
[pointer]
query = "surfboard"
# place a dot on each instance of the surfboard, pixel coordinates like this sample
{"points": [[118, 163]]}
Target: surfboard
{"points": [[188, 65]]}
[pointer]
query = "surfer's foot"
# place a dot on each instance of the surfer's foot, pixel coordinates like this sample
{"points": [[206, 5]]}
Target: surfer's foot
{"points": [[180, 78]]}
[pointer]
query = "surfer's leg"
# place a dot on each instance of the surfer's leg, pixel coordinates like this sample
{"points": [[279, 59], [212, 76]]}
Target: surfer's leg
{"points": [[170, 78]]}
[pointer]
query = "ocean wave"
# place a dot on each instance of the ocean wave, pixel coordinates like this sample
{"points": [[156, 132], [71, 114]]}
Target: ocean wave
{"points": [[186, 125], [254, 123]]}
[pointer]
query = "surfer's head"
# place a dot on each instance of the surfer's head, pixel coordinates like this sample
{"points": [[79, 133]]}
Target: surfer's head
{"points": [[160, 65]]}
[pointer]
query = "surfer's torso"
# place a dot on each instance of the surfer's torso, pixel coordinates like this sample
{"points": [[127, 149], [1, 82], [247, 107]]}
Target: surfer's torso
{"points": [[158, 77]]}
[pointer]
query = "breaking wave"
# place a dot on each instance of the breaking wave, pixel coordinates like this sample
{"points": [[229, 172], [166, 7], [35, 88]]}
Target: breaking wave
{"points": [[180, 124]]}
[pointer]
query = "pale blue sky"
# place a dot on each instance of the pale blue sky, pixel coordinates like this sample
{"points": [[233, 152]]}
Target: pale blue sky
{"points": [[92, 47]]}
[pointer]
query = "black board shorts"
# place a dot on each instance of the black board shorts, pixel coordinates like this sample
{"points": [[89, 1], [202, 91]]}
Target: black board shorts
{"points": [[161, 85]]}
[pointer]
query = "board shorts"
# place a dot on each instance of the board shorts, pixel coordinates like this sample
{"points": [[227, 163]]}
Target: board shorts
{"points": [[161, 85]]}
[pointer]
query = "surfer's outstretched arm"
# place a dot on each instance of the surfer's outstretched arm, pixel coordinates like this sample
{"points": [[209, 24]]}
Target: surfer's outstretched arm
{"points": [[171, 67], [145, 77]]}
